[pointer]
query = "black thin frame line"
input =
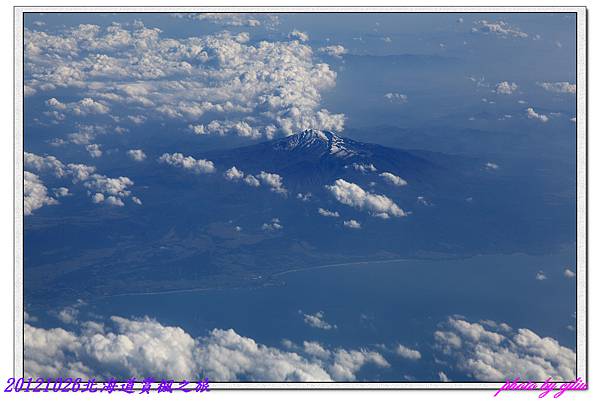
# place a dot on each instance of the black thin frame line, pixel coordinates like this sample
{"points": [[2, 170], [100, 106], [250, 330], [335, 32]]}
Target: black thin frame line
{"points": [[23, 13]]}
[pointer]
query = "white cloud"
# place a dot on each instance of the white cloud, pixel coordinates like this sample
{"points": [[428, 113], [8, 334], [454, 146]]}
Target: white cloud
{"points": [[98, 198], [506, 88], [96, 183], [200, 166], [396, 97], [94, 150], [251, 180], [233, 19], [304, 197], [85, 134], [353, 195], [443, 377], [347, 363], [352, 224], [334, 50], [491, 166], [299, 35], [363, 167], [61, 191], [487, 355], [407, 353], [425, 202], [499, 28], [393, 179], [541, 276], [274, 181], [533, 115], [317, 320], [35, 193], [114, 201], [233, 174], [240, 128], [41, 164], [136, 154], [144, 347], [274, 225], [559, 87], [315, 349], [259, 89], [83, 107], [109, 186], [328, 213], [569, 273]]}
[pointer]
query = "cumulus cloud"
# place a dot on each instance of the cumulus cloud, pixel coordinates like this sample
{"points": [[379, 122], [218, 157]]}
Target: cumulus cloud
{"points": [[274, 225], [363, 167], [135, 73], [233, 174], [490, 355], [237, 175], [559, 87], [274, 181], [541, 276], [334, 50], [353, 195], [407, 353], [98, 185], [317, 320], [506, 88], [533, 115], [491, 166], [94, 150], [299, 35], [393, 179], [251, 180], [83, 107], [200, 166], [85, 134], [569, 273], [61, 191], [352, 224], [136, 154], [35, 193], [443, 377], [499, 28], [396, 97], [328, 213], [123, 348], [347, 363], [110, 186], [239, 128]]}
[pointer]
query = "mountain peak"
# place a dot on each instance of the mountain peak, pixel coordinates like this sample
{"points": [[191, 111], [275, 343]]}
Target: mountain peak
{"points": [[317, 141]]}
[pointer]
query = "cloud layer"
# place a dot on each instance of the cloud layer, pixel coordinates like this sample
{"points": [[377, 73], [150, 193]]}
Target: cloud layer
{"points": [[353, 195], [123, 348], [125, 71], [495, 352]]}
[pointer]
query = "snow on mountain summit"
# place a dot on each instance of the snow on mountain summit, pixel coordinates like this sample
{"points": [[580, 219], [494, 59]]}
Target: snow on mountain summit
{"points": [[319, 141]]}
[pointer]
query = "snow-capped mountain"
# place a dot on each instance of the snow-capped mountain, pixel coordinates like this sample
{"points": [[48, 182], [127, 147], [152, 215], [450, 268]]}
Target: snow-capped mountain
{"points": [[321, 156], [322, 143]]}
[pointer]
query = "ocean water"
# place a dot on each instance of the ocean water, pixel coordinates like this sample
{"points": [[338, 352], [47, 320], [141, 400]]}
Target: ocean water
{"points": [[374, 304]]}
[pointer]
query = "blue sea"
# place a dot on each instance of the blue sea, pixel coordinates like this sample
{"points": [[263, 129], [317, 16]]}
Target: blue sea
{"points": [[374, 304]]}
